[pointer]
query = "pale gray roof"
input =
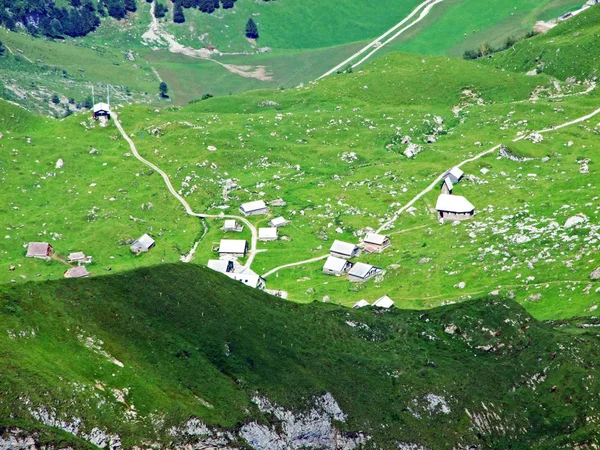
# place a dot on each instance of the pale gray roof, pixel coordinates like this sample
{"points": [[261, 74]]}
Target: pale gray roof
{"points": [[448, 183], [360, 270], [77, 272], [268, 233], [76, 256], [249, 278], [343, 248], [37, 249], [278, 222], [361, 304], [334, 264], [145, 242], [230, 224], [384, 302], [456, 173], [374, 238], [253, 206], [219, 265], [237, 246], [454, 204], [101, 107]]}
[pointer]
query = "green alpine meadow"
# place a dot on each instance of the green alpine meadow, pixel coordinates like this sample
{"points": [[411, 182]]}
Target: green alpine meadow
{"points": [[280, 225]]}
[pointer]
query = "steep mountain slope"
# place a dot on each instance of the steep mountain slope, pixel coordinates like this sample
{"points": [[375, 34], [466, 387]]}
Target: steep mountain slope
{"points": [[570, 50], [148, 356]]}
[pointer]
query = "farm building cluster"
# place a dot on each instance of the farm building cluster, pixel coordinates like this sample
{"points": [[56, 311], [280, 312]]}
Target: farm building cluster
{"points": [[230, 250], [340, 253], [45, 251], [79, 260]]}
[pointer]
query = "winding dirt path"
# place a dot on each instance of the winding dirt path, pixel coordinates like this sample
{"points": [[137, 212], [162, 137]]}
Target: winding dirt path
{"points": [[188, 209]]}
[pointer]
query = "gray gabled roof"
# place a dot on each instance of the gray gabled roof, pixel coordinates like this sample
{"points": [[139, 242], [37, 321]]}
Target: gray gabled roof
{"points": [[334, 264], [268, 233], [454, 204], [361, 270], [101, 107], [343, 248], [374, 238], [219, 265], [448, 183], [237, 246], [384, 302], [456, 173], [77, 272], [361, 304], [253, 206], [37, 249], [145, 241]]}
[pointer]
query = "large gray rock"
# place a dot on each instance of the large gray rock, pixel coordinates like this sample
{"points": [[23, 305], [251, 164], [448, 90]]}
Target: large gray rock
{"points": [[595, 275]]}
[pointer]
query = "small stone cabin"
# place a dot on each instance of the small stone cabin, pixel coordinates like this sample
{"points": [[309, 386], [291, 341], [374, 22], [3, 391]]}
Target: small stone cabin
{"points": [[454, 207], [142, 244]]}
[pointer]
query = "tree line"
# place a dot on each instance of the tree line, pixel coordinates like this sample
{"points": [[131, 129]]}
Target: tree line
{"points": [[206, 6], [43, 17]]}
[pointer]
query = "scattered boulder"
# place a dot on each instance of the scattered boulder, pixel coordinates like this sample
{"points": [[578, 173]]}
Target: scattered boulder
{"points": [[595, 275], [59, 163], [575, 220], [461, 285]]}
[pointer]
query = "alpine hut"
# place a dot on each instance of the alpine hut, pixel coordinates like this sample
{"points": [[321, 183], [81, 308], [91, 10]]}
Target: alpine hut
{"points": [[454, 207], [268, 234], [336, 266], [40, 250], [101, 110], [374, 242], [233, 247], [361, 272], [142, 244], [343, 249], [254, 208]]}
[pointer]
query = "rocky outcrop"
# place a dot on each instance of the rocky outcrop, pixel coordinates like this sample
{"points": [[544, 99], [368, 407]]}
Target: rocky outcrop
{"points": [[315, 428], [312, 429]]}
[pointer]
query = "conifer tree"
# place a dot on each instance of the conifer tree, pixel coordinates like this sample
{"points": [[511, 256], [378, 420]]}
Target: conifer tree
{"points": [[251, 29]]}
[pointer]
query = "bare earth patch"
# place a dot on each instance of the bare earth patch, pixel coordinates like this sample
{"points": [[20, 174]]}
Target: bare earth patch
{"points": [[258, 72]]}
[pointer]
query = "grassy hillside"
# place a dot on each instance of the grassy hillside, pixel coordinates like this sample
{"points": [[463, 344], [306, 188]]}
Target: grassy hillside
{"points": [[333, 151], [304, 41], [190, 343], [569, 50], [97, 202]]}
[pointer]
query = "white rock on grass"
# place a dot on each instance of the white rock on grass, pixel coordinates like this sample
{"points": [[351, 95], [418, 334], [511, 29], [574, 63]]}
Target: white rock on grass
{"points": [[59, 163], [575, 220]]}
